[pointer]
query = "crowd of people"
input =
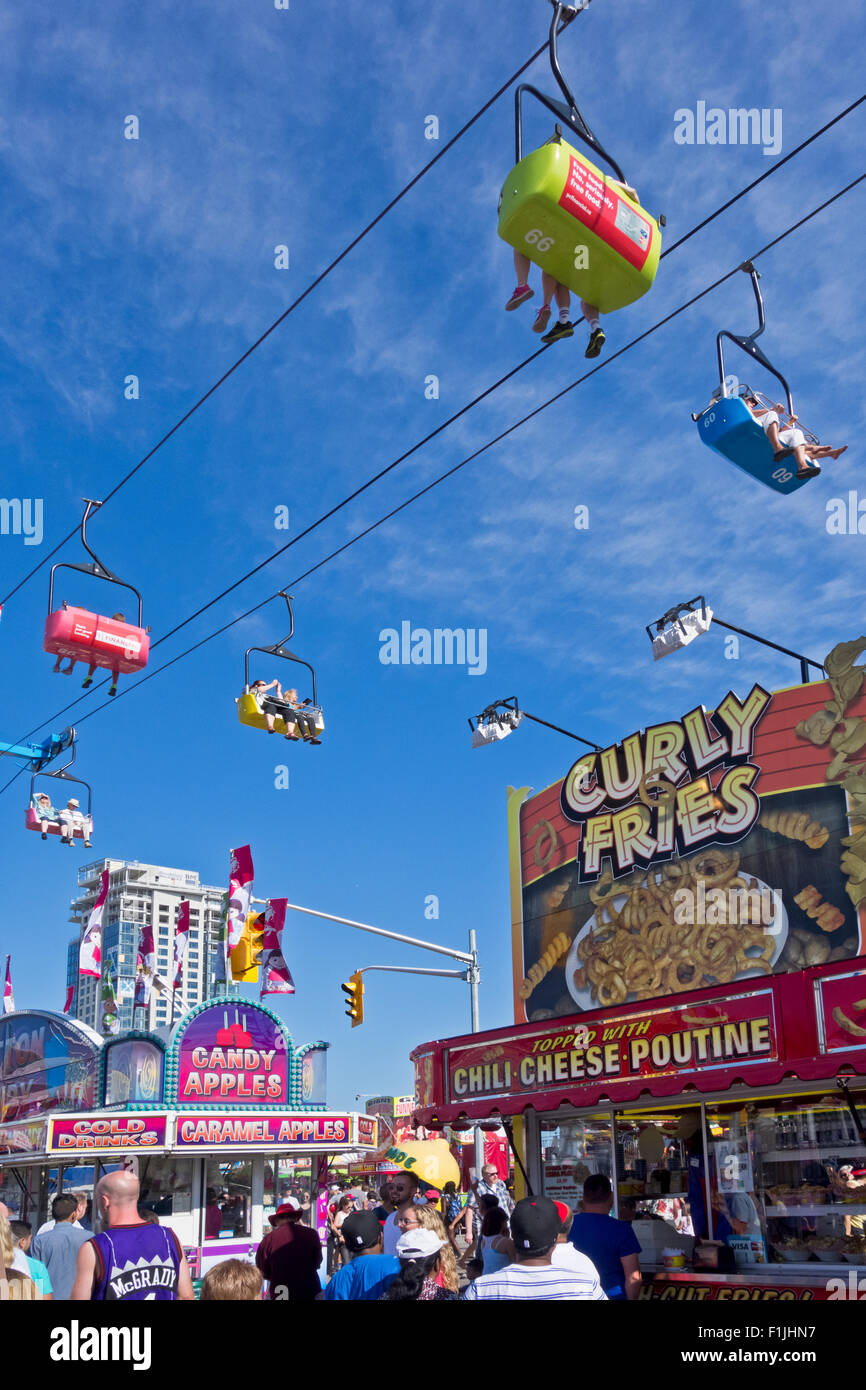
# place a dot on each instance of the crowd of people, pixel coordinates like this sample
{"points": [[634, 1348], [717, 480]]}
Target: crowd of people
{"points": [[402, 1243]]}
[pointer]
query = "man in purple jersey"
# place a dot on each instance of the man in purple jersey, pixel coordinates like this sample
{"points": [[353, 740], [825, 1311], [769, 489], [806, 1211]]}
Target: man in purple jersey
{"points": [[130, 1258]]}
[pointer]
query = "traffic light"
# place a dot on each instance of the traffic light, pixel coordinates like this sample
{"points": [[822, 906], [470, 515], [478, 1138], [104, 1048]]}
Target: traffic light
{"points": [[247, 955], [354, 988]]}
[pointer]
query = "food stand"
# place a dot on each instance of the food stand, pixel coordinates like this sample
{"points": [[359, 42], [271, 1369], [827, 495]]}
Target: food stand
{"points": [[690, 994], [219, 1117]]}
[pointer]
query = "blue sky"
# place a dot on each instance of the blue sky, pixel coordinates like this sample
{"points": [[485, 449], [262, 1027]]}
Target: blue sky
{"points": [[156, 257]]}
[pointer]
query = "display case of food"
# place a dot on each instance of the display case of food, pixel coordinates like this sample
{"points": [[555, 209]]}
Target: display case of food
{"points": [[794, 1170]]}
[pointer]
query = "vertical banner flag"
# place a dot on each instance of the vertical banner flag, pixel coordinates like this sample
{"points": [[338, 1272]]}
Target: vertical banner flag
{"points": [[70, 995], [220, 954], [90, 951], [181, 936], [145, 965], [276, 977], [146, 977], [8, 998], [109, 1001], [240, 894]]}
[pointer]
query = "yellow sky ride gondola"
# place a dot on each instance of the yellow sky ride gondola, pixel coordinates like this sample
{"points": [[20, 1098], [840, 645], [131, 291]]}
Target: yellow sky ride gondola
{"points": [[567, 216], [303, 721]]}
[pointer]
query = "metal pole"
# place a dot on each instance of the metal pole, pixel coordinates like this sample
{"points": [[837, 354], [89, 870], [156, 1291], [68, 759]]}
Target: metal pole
{"points": [[476, 1028], [380, 931], [414, 970], [805, 661], [535, 719], [708, 1205], [508, 1126]]}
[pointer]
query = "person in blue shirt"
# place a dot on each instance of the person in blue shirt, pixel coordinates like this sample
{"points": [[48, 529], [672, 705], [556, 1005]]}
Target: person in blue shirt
{"points": [[612, 1245], [369, 1272], [22, 1235]]}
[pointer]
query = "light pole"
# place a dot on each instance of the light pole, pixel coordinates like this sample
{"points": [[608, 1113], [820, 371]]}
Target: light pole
{"points": [[684, 622]]}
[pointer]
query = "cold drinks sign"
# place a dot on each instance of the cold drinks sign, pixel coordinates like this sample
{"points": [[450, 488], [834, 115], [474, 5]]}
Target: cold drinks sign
{"points": [[234, 1054]]}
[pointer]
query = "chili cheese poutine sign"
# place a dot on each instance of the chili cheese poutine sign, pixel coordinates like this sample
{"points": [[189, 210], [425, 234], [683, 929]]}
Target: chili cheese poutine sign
{"points": [[714, 848], [738, 1030]]}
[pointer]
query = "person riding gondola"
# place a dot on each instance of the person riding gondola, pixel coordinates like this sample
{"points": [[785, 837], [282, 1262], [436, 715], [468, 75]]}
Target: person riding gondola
{"points": [[73, 822], [45, 811], [788, 439], [296, 713]]}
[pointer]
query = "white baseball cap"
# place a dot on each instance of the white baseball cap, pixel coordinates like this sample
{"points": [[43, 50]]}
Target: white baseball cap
{"points": [[419, 1245]]}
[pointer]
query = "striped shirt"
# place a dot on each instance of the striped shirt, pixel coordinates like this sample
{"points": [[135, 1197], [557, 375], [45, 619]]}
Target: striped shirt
{"points": [[537, 1282]]}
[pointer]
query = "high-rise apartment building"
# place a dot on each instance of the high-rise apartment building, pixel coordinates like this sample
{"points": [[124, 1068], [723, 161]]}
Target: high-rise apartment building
{"points": [[141, 895]]}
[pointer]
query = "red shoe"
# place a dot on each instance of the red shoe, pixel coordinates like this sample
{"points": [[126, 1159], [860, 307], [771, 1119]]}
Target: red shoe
{"points": [[520, 294], [542, 319]]}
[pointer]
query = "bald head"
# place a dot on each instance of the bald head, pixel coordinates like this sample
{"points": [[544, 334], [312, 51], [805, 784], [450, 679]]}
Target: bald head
{"points": [[117, 1198]]}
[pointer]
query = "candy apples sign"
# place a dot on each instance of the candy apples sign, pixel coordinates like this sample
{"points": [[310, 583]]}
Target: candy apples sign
{"points": [[236, 1055], [650, 796]]}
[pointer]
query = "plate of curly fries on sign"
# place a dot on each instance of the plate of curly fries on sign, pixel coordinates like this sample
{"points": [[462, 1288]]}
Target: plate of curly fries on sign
{"points": [[686, 925]]}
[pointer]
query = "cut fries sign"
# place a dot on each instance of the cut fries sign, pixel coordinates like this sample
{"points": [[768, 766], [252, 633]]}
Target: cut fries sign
{"points": [[720, 846]]}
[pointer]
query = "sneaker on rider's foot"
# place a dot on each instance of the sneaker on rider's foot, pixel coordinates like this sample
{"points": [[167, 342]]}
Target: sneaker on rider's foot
{"points": [[559, 330], [542, 319], [520, 294], [596, 343], [810, 471]]}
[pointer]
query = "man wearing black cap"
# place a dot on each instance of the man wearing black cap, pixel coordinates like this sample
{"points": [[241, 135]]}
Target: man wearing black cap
{"points": [[369, 1272], [535, 1225]]}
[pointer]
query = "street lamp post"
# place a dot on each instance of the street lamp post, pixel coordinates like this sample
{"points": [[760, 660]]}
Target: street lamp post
{"points": [[685, 621], [499, 719]]}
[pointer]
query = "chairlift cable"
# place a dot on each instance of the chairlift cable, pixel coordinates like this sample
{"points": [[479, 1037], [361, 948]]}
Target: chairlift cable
{"points": [[777, 164], [442, 477], [476, 400], [294, 305]]}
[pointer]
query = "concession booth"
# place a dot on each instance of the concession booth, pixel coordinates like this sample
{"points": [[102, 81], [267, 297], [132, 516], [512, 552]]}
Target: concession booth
{"points": [[221, 1117], [690, 995]]}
